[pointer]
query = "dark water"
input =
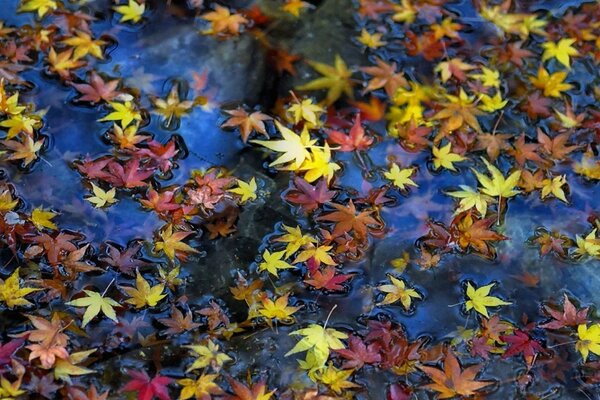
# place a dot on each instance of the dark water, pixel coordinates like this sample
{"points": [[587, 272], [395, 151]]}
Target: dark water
{"points": [[166, 48]]}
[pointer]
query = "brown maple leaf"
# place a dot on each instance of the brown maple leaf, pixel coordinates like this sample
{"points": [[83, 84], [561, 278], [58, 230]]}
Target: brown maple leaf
{"points": [[537, 106], [384, 76], [493, 144], [523, 152], [556, 147], [346, 219], [247, 123], [178, 323], [475, 233], [453, 381], [127, 260]]}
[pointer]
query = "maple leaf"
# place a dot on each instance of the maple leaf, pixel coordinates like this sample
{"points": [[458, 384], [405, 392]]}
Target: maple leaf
{"points": [[91, 394], [318, 342], [398, 291], [570, 316], [346, 219], [400, 177], [202, 388], [536, 106], [102, 197], [454, 67], [305, 110], [479, 299], [206, 355], [278, 309], [223, 22], [309, 197], [356, 140], [555, 147], [370, 40], [26, 150], [94, 169], [8, 349], [12, 293], [293, 146], [273, 262], [258, 391], [497, 185], [452, 380], [43, 219], [177, 323], [384, 76], [160, 154], [130, 176], [143, 294], [589, 340], [476, 233], [247, 123], [172, 108], [552, 85], [127, 138], [335, 379], [84, 45], [327, 279], [123, 112], [457, 111], [470, 198], [172, 243], [97, 89], [493, 144], [336, 79], [126, 261], [48, 340], [62, 63], [247, 191], [521, 343], [443, 157], [65, 368], [133, 11], [561, 50], [41, 7], [94, 303], [358, 353], [147, 388], [554, 186]]}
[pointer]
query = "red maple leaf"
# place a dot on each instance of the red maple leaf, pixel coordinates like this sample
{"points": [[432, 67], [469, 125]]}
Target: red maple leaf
{"points": [[161, 155], [346, 219], [126, 261], [97, 89], [568, 317], [94, 169], [481, 347], [521, 343], [356, 140], [327, 279], [130, 176], [399, 391], [309, 197], [8, 349], [358, 353], [148, 388]]}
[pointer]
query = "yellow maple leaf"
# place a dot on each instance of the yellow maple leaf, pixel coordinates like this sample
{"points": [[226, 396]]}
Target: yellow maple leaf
{"points": [[247, 191], [497, 185], [143, 294], [12, 293], [554, 186], [102, 197], [317, 341], [443, 157], [43, 219], [7, 203], [371, 40], [26, 150], [84, 44], [561, 50], [95, 303], [479, 299], [206, 355], [305, 110], [336, 79], [470, 198], [589, 340], [172, 243], [294, 147], [552, 85], [278, 309], [65, 368], [398, 291], [125, 112], [133, 11], [400, 177], [42, 7], [62, 63], [272, 262]]}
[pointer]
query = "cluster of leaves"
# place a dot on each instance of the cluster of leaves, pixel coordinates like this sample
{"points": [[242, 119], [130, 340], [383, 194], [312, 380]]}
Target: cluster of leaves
{"points": [[455, 117]]}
